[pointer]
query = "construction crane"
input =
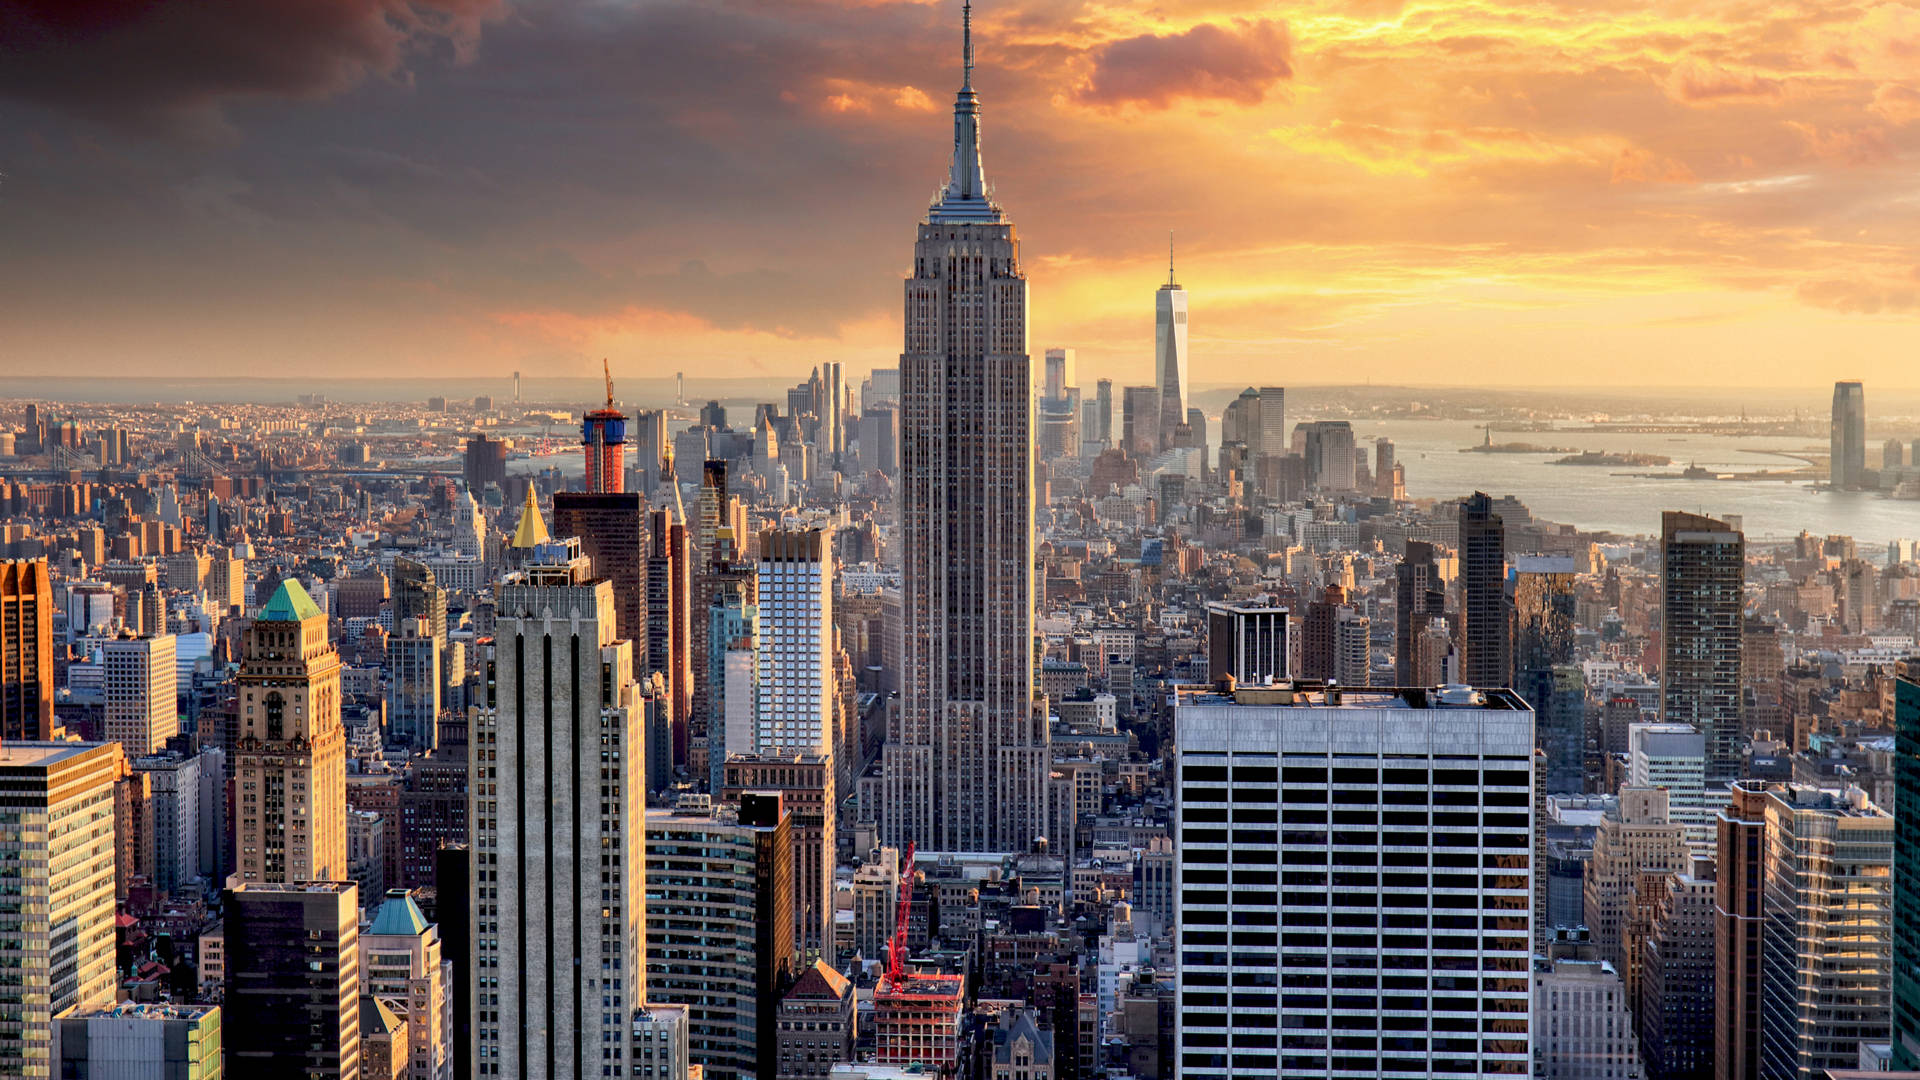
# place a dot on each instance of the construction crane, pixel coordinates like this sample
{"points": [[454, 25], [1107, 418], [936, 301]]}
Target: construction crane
{"points": [[608, 372], [897, 947]]}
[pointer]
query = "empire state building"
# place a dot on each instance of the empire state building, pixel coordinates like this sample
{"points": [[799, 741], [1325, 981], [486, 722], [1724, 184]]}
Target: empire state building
{"points": [[966, 766]]}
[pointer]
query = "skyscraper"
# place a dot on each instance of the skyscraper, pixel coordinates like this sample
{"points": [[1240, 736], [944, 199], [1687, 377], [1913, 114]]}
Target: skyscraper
{"points": [[612, 531], [1906, 868], [1140, 420], [143, 707], [1247, 642], [968, 768], [290, 758], [57, 909], [401, 962], [558, 890], [1738, 925], [413, 684], [1702, 572], [26, 650], [668, 638], [796, 683], [1848, 442], [1421, 596], [1103, 406], [1486, 650], [1170, 352], [1540, 611], [293, 980], [1387, 911], [603, 435]]}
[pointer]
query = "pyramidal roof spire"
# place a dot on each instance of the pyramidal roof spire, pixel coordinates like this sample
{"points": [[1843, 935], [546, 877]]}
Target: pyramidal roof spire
{"points": [[963, 201]]}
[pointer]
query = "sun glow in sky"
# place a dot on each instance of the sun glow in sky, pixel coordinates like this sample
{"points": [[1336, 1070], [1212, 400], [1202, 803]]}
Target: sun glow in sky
{"points": [[1691, 192]]}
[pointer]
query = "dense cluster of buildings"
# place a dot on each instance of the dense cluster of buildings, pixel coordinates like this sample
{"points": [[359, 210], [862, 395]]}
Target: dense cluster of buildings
{"points": [[960, 722]]}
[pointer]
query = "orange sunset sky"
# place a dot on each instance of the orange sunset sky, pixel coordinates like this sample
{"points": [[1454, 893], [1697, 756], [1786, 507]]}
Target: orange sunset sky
{"points": [[1691, 192]]}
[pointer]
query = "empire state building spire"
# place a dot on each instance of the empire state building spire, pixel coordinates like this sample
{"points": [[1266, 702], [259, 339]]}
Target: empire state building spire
{"points": [[964, 199]]}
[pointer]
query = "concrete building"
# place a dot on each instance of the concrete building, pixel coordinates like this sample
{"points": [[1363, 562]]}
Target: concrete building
{"points": [[876, 897], [1676, 977], [1674, 757], [660, 1034], [1906, 866], [401, 965], [966, 769], [143, 707], [57, 909], [795, 691], [175, 1042], [1022, 1050], [817, 1024], [383, 1039], [290, 756], [720, 929], [1637, 837], [558, 885], [611, 527], [1583, 1028], [1389, 908], [173, 799], [292, 1000]]}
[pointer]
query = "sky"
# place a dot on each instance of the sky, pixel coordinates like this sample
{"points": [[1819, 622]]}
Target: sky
{"points": [[1452, 192]]}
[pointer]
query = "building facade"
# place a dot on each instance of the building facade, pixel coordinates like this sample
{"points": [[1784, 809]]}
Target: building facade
{"points": [[795, 691], [1703, 571], [26, 650], [1369, 843], [292, 999]]}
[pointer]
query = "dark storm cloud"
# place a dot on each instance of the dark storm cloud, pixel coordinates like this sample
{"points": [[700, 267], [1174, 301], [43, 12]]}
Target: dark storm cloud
{"points": [[1240, 63], [140, 61]]}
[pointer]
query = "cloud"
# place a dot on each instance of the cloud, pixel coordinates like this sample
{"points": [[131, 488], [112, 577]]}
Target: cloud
{"points": [[1638, 166], [1897, 102], [1859, 296], [140, 62], [1861, 146], [1209, 62], [1698, 82]]}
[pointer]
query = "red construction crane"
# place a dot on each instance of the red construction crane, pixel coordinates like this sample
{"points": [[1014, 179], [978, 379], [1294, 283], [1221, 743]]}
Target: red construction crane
{"points": [[897, 947]]}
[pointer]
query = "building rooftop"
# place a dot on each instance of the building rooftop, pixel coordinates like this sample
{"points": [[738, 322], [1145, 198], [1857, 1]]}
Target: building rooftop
{"points": [[1302, 693], [398, 916], [160, 1010], [42, 755], [290, 603]]}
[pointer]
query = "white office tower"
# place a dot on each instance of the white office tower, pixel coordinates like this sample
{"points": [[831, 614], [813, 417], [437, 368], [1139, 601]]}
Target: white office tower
{"points": [[796, 683], [1170, 353], [558, 890], [143, 707], [1355, 882], [966, 763], [1674, 756]]}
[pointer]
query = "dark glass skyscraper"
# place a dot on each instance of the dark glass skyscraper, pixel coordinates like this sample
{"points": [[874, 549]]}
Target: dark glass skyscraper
{"points": [[1703, 569], [1849, 438], [1906, 869], [1486, 648]]}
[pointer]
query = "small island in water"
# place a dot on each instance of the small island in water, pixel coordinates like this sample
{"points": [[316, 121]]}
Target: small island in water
{"points": [[1595, 457], [1517, 448]]}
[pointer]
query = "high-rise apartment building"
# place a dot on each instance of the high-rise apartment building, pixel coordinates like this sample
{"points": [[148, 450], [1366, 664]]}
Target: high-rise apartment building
{"points": [[603, 437], [1246, 642], [485, 463], [290, 757], [612, 531], [1674, 757], [732, 629], [720, 929], [1703, 570], [173, 785], [796, 681], [558, 900], [293, 987], [413, 684], [1848, 442], [967, 767], [400, 963], [1486, 649], [1170, 354], [26, 650], [1675, 1021], [143, 707], [1354, 882], [57, 907]]}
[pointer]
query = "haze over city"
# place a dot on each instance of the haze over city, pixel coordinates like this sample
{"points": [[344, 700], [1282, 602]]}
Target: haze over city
{"points": [[1706, 193]]}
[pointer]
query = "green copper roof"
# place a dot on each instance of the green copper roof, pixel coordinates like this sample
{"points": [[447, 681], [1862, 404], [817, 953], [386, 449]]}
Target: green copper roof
{"points": [[398, 916], [290, 603]]}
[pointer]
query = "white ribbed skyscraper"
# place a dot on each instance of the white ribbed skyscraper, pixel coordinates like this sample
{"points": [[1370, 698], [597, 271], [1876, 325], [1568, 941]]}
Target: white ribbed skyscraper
{"points": [[1170, 353], [967, 765]]}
